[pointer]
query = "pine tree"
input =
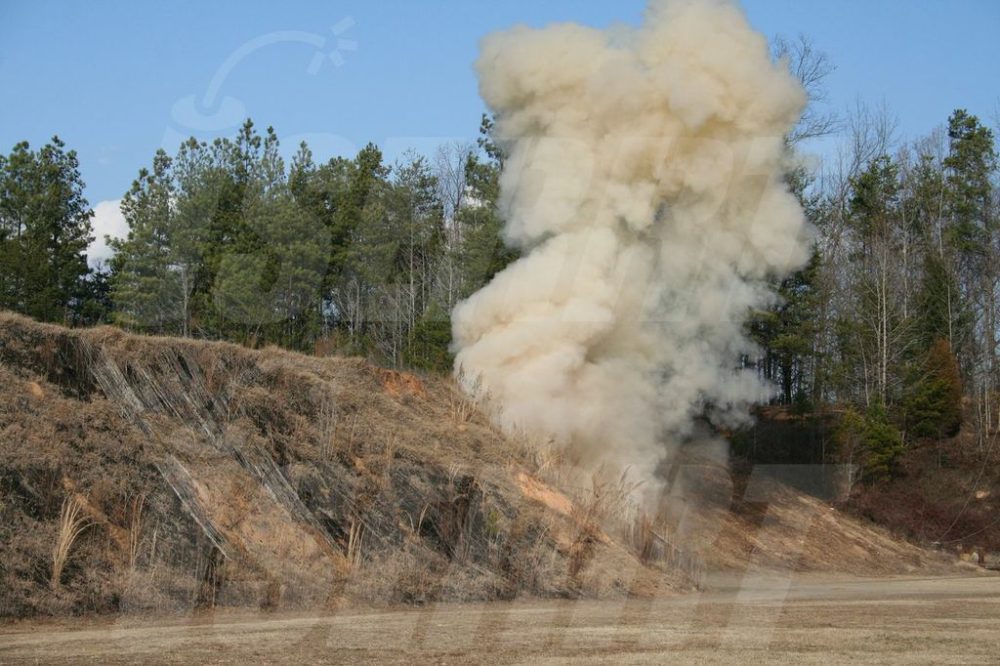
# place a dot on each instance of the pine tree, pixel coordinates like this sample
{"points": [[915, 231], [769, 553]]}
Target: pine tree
{"points": [[483, 253], [45, 228], [933, 405], [941, 312], [362, 249], [971, 161], [869, 441], [973, 234], [883, 441], [144, 287], [875, 216], [196, 200], [785, 334], [267, 282]]}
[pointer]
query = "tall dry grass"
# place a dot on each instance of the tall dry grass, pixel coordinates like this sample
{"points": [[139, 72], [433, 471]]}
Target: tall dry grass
{"points": [[136, 507], [72, 523], [649, 537], [355, 542], [463, 406]]}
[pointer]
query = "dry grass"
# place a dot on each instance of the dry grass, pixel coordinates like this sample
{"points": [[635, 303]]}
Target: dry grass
{"points": [[642, 537], [136, 506], [390, 448], [72, 523], [327, 424], [463, 407], [415, 526], [340, 467], [355, 542], [649, 537], [596, 509], [609, 500], [319, 482]]}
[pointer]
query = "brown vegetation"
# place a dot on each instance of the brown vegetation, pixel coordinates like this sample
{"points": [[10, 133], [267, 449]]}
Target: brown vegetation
{"points": [[942, 491], [217, 475], [71, 526], [212, 475]]}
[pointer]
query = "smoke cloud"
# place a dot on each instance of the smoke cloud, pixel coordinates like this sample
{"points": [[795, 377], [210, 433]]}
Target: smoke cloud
{"points": [[643, 181]]}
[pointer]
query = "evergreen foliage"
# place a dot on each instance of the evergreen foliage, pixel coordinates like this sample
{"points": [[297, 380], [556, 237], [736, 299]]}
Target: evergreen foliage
{"points": [[893, 320], [45, 228]]}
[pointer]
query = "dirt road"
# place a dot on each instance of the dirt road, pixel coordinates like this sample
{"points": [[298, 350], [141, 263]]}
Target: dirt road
{"points": [[901, 620]]}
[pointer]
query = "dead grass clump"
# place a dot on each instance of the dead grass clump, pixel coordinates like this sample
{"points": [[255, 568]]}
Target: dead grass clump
{"points": [[590, 513], [462, 407], [642, 537], [326, 423], [468, 402], [409, 576], [72, 523], [609, 500], [355, 542], [136, 506]]}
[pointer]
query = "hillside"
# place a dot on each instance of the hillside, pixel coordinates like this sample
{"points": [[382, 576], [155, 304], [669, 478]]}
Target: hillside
{"points": [[201, 474], [942, 491]]}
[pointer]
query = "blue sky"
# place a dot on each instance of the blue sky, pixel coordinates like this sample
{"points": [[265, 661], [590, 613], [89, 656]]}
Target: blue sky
{"points": [[116, 80]]}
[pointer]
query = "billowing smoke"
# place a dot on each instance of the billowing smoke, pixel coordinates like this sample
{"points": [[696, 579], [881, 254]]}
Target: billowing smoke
{"points": [[643, 180]]}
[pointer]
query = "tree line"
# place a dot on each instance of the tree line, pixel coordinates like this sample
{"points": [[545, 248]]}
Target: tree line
{"points": [[893, 321], [226, 241]]}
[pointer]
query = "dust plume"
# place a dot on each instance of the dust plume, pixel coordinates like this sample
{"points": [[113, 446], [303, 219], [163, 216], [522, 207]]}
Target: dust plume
{"points": [[643, 181]]}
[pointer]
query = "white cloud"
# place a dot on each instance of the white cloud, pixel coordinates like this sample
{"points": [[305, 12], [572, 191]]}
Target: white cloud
{"points": [[108, 220]]}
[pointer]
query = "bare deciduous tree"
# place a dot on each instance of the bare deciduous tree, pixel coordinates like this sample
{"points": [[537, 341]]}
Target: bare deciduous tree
{"points": [[811, 67]]}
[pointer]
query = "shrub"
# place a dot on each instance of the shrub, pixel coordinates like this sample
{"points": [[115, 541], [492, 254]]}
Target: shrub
{"points": [[934, 400], [883, 442], [870, 441], [429, 342]]}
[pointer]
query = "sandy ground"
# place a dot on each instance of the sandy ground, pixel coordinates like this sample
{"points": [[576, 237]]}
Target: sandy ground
{"points": [[749, 621]]}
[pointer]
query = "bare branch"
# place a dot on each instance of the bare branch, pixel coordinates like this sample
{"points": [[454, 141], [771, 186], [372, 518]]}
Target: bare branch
{"points": [[811, 67]]}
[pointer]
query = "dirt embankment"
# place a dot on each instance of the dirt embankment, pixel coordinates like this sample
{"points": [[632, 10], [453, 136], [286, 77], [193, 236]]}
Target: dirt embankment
{"points": [[142, 474], [942, 491]]}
